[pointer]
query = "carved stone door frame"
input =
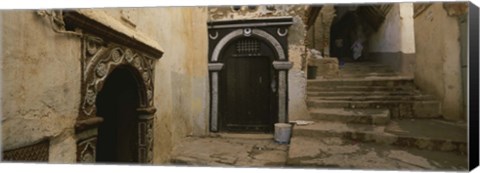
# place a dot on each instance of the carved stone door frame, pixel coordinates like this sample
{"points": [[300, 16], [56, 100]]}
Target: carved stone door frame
{"points": [[104, 48], [273, 31]]}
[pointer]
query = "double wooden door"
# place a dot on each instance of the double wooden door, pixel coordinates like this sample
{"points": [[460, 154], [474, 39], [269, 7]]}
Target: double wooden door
{"points": [[247, 88]]}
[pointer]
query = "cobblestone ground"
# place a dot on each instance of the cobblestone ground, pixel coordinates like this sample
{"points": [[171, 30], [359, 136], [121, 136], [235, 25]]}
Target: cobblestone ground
{"points": [[225, 151], [330, 153], [334, 152]]}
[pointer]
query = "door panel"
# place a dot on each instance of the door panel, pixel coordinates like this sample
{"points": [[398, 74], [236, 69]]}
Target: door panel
{"points": [[248, 91]]}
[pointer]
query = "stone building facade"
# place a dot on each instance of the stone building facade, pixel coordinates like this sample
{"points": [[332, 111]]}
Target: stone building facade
{"points": [[79, 85], [292, 80], [55, 63], [410, 38], [63, 69]]}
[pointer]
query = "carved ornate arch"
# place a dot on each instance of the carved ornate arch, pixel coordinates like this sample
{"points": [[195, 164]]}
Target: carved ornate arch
{"points": [[105, 46], [100, 59]]}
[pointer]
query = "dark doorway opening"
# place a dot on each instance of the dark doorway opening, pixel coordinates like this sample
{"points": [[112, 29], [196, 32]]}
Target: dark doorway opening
{"points": [[341, 34], [117, 103], [247, 91]]}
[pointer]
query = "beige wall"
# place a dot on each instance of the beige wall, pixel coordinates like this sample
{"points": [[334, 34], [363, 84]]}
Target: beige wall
{"points": [[393, 43], [40, 86], [41, 78], [438, 59], [296, 48]]}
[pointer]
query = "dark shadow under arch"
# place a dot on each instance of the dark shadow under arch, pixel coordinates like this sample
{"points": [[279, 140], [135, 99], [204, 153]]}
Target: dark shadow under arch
{"points": [[117, 104]]}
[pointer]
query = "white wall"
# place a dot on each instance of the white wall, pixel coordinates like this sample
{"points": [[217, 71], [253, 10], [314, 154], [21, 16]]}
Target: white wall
{"points": [[396, 34], [393, 44]]}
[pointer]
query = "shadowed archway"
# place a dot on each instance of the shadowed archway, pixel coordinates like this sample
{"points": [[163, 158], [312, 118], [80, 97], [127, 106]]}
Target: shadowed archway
{"points": [[117, 104]]}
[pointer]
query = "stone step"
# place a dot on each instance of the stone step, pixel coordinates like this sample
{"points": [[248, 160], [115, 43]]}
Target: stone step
{"points": [[425, 134], [334, 152], [365, 116], [374, 97], [358, 88], [362, 75], [369, 81], [361, 93], [398, 108]]}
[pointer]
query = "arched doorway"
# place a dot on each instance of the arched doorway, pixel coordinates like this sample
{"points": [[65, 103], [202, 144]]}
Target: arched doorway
{"points": [[107, 52], [117, 104], [247, 88], [248, 59]]}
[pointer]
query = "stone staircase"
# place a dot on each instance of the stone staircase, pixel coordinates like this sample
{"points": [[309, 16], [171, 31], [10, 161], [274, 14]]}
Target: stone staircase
{"points": [[369, 107]]}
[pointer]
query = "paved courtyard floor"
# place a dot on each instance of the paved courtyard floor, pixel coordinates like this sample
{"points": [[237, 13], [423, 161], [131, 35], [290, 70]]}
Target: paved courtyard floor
{"points": [[227, 150], [260, 150]]}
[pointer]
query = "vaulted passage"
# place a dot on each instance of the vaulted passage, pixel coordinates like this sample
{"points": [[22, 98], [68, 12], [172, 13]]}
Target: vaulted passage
{"points": [[247, 88], [117, 103]]}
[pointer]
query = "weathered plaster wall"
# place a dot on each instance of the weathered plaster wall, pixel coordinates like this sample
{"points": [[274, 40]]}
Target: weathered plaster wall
{"points": [[296, 48], [41, 84], [1, 78], [319, 33], [393, 44], [181, 78], [438, 60]]}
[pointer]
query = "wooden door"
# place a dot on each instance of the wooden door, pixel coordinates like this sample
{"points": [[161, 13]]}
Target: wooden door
{"points": [[246, 90]]}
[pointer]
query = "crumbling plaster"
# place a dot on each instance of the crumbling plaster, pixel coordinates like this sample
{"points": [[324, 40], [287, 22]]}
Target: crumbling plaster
{"points": [[41, 84]]}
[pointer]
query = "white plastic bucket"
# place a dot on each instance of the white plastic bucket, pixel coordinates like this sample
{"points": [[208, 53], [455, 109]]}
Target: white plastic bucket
{"points": [[282, 132]]}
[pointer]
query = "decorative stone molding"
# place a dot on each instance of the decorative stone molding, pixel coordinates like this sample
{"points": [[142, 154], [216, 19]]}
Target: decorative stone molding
{"points": [[282, 96], [282, 65], [229, 30], [247, 32], [86, 150], [145, 140], [215, 66], [106, 45], [282, 34], [81, 125], [254, 32], [86, 145], [213, 37], [99, 59], [214, 104], [145, 133]]}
